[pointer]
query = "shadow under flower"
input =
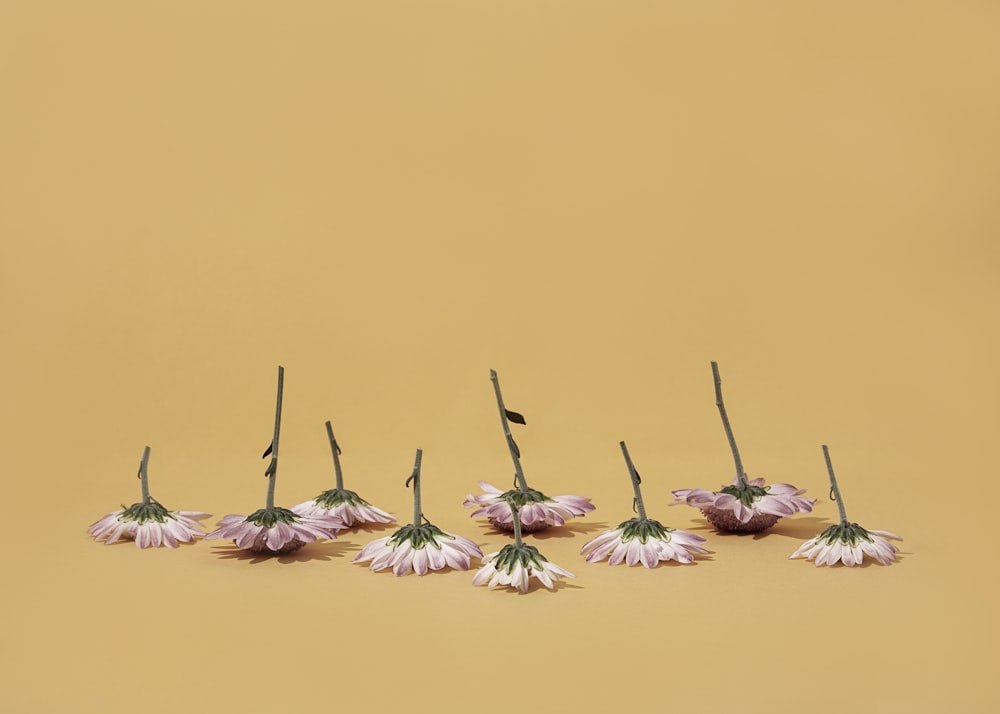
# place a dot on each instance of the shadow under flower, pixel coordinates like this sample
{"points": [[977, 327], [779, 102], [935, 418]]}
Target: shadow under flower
{"points": [[797, 528], [570, 529], [326, 550]]}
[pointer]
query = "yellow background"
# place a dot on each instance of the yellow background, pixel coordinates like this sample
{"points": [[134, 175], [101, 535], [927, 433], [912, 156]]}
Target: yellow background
{"points": [[594, 198]]}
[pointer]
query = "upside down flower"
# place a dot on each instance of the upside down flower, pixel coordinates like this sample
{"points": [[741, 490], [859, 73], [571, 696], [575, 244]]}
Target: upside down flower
{"points": [[744, 506], [535, 510], [420, 546], [274, 530], [642, 540], [148, 522], [515, 564], [846, 542], [341, 503]]}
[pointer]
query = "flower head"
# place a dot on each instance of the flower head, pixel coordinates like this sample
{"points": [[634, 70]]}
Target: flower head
{"points": [[148, 522], [275, 530], [420, 546], [515, 564], [747, 505], [535, 510], [345, 505], [846, 542]]}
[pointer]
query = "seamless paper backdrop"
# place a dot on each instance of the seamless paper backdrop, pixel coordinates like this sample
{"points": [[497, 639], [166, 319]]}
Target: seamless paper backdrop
{"points": [[595, 199]]}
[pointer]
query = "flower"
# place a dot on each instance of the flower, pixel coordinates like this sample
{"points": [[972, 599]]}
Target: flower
{"points": [[344, 505], [150, 525], [275, 530], [536, 510], [848, 543], [643, 541], [515, 564], [747, 505], [419, 548]]}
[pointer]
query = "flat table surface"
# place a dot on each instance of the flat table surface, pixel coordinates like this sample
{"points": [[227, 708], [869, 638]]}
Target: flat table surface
{"points": [[594, 199]]}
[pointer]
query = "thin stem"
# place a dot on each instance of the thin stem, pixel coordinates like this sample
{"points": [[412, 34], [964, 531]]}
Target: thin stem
{"points": [[522, 484], [144, 475], [272, 469], [634, 475], [725, 422], [517, 525], [336, 456], [833, 485], [415, 478]]}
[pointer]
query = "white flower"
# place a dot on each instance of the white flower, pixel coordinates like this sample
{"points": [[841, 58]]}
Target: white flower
{"points": [[643, 541], [344, 505], [848, 543], [514, 565], [537, 511], [275, 530], [746, 506], [419, 548], [150, 525]]}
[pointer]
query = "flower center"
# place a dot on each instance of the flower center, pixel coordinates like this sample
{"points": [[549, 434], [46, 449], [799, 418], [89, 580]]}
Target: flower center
{"points": [[142, 512], [418, 535], [267, 517], [745, 492], [644, 529], [339, 496], [521, 498]]}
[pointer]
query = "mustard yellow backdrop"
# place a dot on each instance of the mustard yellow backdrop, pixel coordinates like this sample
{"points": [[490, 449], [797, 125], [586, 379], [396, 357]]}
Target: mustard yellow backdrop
{"points": [[593, 198]]}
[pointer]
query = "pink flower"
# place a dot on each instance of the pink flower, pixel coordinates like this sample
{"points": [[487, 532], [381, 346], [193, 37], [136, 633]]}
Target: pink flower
{"points": [[848, 543], [419, 548], [344, 505], [150, 525], [514, 566], [746, 506], [536, 510], [275, 530], [643, 541]]}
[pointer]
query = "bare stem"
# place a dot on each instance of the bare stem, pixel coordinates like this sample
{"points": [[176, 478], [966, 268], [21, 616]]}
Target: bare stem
{"points": [[415, 478], [725, 422], [634, 475], [144, 474], [833, 485], [517, 525], [335, 448], [522, 484], [272, 469]]}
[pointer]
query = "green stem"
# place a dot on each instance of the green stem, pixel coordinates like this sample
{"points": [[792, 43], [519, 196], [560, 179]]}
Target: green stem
{"points": [[272, 469], [522, 484], [725, 422], [517, 525], [144, 475], [634, 475], [415, 477], [336, 456], [833, 485]]}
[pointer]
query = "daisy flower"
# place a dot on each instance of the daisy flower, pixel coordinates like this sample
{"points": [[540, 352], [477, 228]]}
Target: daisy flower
{"points": [[148, 523], [745, 506], [536, 510], [642, 540], [515, 564], [339, 502], [420, 546], [846, 542], [274, 530]]}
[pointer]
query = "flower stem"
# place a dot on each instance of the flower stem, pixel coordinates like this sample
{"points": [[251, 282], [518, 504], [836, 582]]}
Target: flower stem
{"points": [[634, 475], [335, 448], [144, 474], [522, 484], [415, 478], [517, 525], [272, 469], [725, 422], [833, 485]]}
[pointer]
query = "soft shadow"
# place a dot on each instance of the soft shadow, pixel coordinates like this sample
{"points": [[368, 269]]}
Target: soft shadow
{"points": [[570, 529], [326, 550], [797, 528], [536, 586], [371, 527]]}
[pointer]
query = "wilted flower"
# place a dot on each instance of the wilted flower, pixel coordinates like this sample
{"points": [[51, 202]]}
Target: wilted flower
{"points": [[642, 540], [345, 505], [515, 564], [419, 546], [275, 530], [846, 542], [537, 511], [745, 506], [148, 523]]}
